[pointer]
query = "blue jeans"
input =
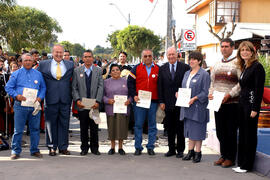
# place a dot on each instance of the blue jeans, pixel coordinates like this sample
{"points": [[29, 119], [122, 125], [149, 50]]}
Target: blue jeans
{"points": [[140, 115], [21, 115]]}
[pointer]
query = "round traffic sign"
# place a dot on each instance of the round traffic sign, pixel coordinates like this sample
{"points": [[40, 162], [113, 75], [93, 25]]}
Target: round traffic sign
{"points": [[189, 35]]}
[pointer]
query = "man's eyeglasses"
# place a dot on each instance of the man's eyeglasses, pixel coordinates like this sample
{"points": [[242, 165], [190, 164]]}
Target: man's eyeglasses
{"points": [[88, 56], [145, 56]]}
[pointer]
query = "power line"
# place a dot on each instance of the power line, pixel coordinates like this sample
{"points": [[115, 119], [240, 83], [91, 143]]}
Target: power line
{"points": [[150, 13]]}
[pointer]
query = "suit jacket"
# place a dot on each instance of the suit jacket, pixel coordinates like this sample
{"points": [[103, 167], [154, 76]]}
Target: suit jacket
{"points": [[199, 85], [79, 89], [58, 91], [167, 87]]}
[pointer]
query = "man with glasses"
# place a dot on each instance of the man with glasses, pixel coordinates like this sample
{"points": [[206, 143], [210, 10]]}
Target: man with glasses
{"points": [[144, 76]]}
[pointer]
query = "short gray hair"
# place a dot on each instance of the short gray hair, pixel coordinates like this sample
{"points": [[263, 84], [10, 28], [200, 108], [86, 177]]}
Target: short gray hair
{"points": [[59, 46], [146, 50], [25, 55]]}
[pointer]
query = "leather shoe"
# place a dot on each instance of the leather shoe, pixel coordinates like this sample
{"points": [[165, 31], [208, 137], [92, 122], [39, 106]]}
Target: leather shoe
{"points": [[14, 156], [179, 155], [219, 162], [138, 152], [227, 163], [190, 155], [96, 152], [37, 154], [151, 152], [52, 152], [197, 157], [111, 151], [64, 152], [121, 151], [169, 154], [83, 152]]}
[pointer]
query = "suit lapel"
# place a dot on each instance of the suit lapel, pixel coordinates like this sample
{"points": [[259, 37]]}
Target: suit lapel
{"points": [[167, 70]]}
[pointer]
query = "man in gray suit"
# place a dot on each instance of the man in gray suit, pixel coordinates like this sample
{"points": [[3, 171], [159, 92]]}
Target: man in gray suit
{"points": [[87, 82], [57, 74]]}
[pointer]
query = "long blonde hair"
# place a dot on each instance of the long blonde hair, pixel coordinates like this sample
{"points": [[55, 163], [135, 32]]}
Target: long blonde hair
{"points": [[240, 60]]}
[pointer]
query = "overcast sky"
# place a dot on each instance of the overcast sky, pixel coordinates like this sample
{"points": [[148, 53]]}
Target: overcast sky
{"points": [[89, 22]]}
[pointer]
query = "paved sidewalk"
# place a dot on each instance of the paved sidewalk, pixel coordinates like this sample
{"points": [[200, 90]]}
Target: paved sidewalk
{"points": [[113, 167]]}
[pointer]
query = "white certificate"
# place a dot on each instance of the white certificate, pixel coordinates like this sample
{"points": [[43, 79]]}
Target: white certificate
{"points": [[144, 99], [119, 104], [88, 103], [216, 102], [30, 95], [184, 95]]}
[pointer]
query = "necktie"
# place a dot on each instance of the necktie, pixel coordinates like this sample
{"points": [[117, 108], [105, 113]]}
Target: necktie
{"points": [[172, 71], [58, 72]]}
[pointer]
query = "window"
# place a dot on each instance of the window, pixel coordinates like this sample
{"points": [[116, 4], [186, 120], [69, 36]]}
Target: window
{"points": [[224, 11]]}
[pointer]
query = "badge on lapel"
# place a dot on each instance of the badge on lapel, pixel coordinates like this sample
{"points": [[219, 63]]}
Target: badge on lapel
{"points": [[81, 75], [35, 81]]}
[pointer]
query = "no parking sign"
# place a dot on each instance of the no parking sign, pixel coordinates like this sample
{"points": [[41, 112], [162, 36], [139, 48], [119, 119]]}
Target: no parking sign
{"points": [[189, 40]]}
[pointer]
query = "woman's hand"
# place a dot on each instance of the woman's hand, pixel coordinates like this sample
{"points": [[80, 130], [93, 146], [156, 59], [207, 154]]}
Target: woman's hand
{"points": [[210, 97], [253, 114], [111, 101], [127, 102], [192, 100]]}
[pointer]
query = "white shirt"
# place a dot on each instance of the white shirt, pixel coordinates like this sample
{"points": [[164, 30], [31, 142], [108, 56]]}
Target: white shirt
{"points": [[54, 67], [189, 79]]}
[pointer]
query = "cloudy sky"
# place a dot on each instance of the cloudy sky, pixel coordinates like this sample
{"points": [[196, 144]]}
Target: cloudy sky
{"points": [[89, 22]]}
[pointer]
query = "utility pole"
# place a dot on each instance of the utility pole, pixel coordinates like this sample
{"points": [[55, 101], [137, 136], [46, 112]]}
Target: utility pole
{"points": [[168, 42]]}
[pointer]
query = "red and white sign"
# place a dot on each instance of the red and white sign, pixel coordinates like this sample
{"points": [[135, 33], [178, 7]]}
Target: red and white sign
{"points": [[189, 40]]}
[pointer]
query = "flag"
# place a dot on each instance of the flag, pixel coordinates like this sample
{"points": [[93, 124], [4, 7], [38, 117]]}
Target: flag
{"points": [[186, 1], [151, 1]]}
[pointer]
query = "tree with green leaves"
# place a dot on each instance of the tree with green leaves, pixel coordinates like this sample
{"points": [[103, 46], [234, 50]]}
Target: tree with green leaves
{"points": [[67, 46], [27, 27], [133, 39], [78, 49]]}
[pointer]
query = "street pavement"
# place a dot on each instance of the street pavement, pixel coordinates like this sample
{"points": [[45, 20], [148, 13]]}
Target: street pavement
{"points": [[128, 167]]}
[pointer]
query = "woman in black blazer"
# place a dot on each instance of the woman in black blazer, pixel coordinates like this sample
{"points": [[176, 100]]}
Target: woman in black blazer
{"points": [[252, 86]]}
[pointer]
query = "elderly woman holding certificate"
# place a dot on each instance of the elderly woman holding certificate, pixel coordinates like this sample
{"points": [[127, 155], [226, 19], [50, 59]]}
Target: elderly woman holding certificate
{"points": [[196, 116], [116, 106]]}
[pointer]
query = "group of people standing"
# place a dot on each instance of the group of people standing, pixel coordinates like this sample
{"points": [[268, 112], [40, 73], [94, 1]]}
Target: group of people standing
{"points": [[241, 78]]}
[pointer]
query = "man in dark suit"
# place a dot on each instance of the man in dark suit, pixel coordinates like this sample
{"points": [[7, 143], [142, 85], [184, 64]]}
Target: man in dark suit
{"points": [[87, 82], [169, 80], [57, 74]]}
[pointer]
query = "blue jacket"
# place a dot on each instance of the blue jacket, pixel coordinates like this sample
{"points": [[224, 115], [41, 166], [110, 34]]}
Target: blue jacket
{"points": [[199, 85], [58, 91]]}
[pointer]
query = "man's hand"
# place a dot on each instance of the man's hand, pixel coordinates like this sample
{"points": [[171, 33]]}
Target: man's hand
{"points": [[253, 114], [162, 106], [38, 99], [176, 95], [20, 98], [111, 101], [136, 99], [95, 106], [210, 97], [226, 98], [79, 104]]}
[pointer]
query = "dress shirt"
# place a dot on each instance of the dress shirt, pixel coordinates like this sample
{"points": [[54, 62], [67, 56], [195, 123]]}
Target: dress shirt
{"points": [[175, 65], [54, 67], [148, 69], [88, 71], [23, 78]]}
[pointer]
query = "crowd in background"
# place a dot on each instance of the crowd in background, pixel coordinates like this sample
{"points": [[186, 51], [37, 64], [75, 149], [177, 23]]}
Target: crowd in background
{"points": [[240, 78]]}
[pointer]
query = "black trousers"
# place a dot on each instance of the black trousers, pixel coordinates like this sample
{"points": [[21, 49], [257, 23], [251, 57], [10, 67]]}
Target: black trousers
{"points": [[175, 129], [85, 122], [247, 138], [226, 128]]}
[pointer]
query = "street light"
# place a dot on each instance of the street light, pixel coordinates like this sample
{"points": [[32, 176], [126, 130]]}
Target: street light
{"points": [[127, 19]]}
